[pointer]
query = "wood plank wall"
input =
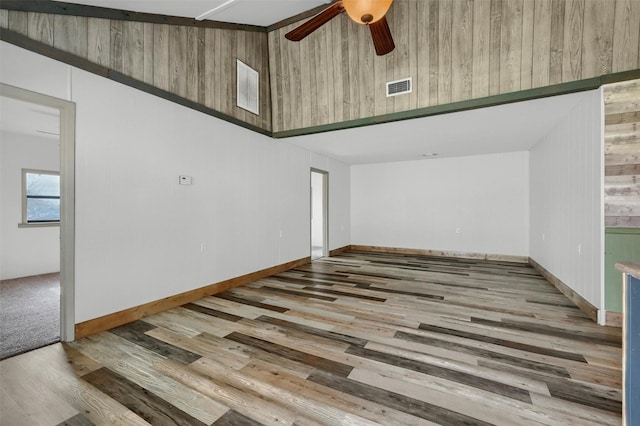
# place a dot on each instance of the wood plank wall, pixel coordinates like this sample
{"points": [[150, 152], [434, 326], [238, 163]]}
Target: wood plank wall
{"points": [[622, 154], [195, 63], [454, 50]]}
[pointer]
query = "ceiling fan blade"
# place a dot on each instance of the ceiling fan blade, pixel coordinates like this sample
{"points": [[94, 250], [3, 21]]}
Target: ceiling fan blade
{"points": [[382, 38], [316, 22]]}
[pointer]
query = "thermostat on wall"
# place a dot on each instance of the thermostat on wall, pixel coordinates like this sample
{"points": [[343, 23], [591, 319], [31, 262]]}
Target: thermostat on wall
{"points": [[185, 180]]}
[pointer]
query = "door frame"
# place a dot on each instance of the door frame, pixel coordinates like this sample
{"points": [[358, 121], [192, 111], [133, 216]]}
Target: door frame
{"points": [[67, 111], [325, 210]]}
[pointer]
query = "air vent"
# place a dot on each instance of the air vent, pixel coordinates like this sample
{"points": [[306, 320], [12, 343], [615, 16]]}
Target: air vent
{"points": [[399, 87], [247, 93]]}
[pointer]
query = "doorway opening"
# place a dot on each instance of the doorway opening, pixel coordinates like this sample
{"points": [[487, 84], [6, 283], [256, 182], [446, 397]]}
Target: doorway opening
{"points": [[319, 214], [37, 217]]}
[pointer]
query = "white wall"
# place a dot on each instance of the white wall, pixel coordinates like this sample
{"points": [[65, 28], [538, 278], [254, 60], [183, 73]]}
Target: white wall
{"points": [[339, 190], [25, 251], [421, 204], [317, 211], [139, 235], [567, 219]]}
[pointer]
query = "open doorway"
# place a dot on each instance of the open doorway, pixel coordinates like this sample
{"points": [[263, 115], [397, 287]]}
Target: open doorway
{"points": [[319, 213], [38, 143]]}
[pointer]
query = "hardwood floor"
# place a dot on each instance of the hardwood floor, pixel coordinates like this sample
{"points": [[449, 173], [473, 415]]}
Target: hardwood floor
{"points": [[360, 338]]}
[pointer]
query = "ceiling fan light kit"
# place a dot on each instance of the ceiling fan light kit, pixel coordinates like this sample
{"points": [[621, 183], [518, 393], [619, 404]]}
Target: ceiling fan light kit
{"points": [[368, 12]]}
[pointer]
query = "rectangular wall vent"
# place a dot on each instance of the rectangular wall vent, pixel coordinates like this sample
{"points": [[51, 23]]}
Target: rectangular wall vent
{"points": [[399, 87], [248, 91]]}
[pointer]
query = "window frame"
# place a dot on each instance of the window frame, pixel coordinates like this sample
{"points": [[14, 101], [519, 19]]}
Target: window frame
{"points": [[25, 222]]}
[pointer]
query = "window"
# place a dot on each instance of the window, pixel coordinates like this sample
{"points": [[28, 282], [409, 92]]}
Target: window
{"points": [[40, 197]]}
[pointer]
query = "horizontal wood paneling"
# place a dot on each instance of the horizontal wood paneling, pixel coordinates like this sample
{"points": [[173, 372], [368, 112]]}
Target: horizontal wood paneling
{"points": [[183, 60], [622, 154], [454, 51]]}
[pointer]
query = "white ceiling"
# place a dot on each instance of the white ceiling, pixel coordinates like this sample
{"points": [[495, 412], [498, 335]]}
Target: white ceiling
{"points": [[28, 119], [503, 128], [252, 12]]}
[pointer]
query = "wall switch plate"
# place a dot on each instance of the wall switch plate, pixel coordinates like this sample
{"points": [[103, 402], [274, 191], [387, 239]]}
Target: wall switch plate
{"points": [[185, 180]]}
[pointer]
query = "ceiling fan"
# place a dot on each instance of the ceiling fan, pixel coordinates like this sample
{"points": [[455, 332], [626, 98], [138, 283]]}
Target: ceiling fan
{"points": [[371, 13]]}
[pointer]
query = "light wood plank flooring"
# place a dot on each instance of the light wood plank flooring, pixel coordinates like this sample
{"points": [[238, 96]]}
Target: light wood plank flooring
{"points": [[360, 338]]}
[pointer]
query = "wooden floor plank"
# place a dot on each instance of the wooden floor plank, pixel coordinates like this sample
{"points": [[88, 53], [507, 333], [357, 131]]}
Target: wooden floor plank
{"points": [[43, 407], [329, 396], [357, 338], [242, 400], [145, 404], [137, 363]]}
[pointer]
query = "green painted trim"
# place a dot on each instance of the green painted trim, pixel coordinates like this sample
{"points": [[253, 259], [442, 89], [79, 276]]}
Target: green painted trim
{"points": [[620, 76], [44, 49], [620, 245], [502, 99], [153, 90], [25, 42], [626, 231], [60, 8]]}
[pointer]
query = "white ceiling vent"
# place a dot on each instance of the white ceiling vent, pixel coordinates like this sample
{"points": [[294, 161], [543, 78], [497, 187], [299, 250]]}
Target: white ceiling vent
{"points": [[248, 95], [399, 87]]}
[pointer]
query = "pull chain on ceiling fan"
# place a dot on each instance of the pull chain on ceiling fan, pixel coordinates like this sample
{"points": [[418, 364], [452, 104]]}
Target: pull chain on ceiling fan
{"points": [[371, 13]]}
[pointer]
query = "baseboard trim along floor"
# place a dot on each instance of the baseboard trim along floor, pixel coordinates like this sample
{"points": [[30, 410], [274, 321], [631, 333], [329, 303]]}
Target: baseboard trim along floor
{"points": [[125, 316]]}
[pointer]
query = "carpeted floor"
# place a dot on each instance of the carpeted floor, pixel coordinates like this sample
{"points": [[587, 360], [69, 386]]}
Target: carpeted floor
{"points": [[29, 313]]}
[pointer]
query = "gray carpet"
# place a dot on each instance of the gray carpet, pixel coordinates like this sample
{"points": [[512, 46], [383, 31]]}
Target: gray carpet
{"points": [[29, 313]]}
